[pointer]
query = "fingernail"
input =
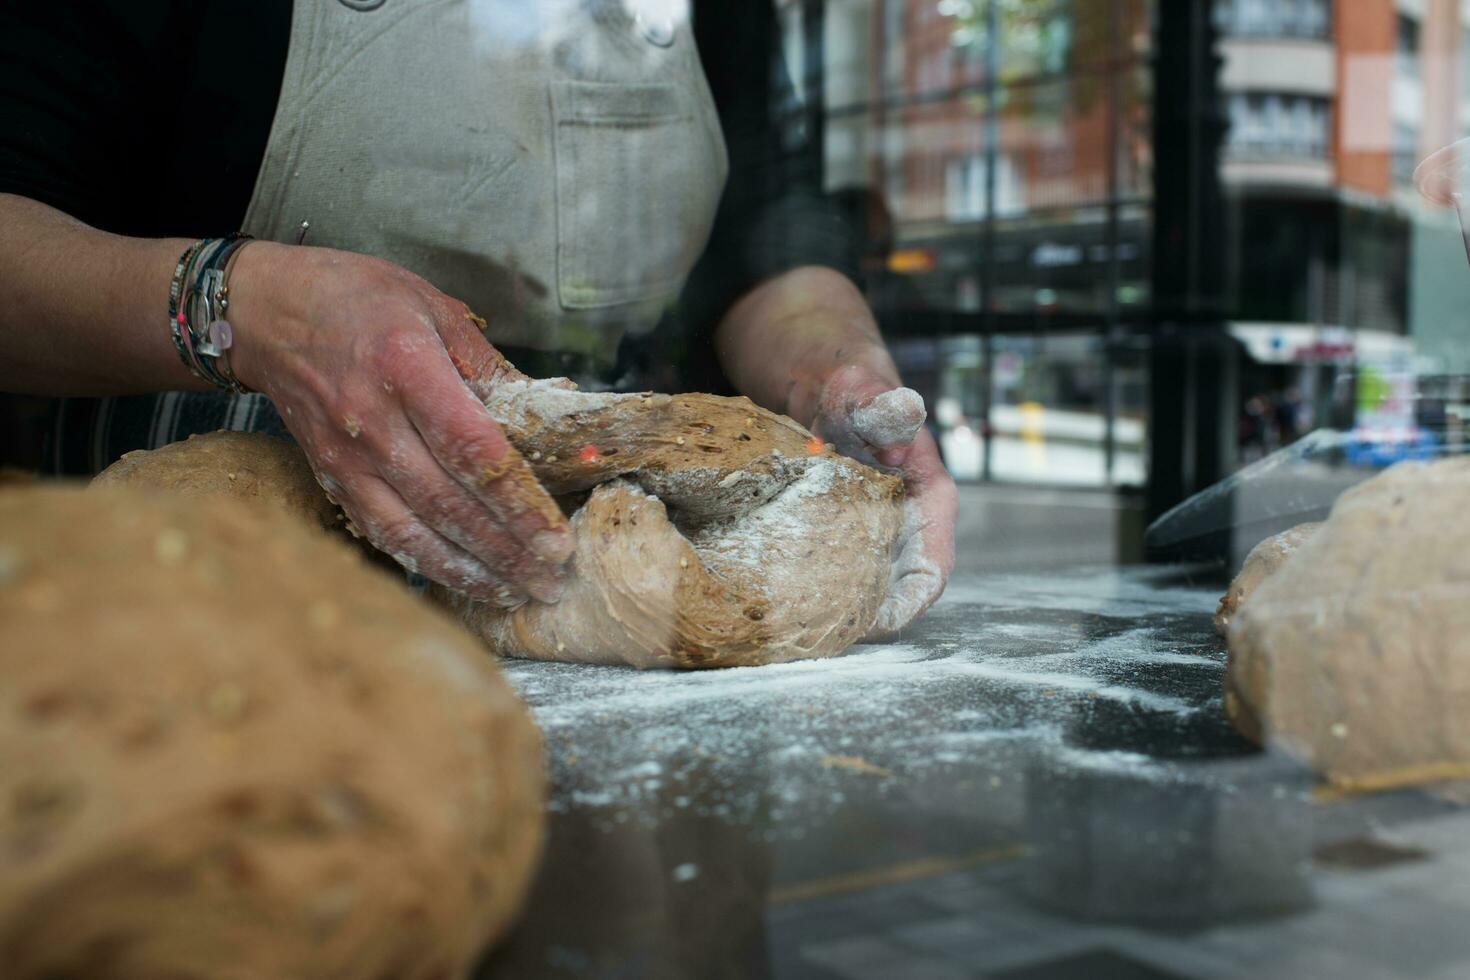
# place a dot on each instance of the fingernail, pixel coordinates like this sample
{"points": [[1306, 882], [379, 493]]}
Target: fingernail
{"points": [[552, 546]]}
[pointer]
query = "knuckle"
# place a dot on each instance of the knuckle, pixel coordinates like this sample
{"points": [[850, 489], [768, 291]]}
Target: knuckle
{"points": [[478, 454], [466, 574], [394, 349], [402, 347], [461, 519], [395, 535], [441, 509]]}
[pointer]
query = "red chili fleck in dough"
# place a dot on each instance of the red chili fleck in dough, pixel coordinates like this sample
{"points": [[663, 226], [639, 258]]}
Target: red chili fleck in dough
{"points": [[814, 446], [589, 454]]}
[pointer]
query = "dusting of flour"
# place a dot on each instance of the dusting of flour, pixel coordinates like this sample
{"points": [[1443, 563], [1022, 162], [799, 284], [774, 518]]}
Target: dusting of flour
{"points": [[890, 419], [768, 532], [515, 403], [980, 686], [913, 579]]}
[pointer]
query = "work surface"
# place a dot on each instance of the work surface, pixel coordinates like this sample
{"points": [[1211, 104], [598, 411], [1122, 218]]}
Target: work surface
{"points": [[1035, 783]]}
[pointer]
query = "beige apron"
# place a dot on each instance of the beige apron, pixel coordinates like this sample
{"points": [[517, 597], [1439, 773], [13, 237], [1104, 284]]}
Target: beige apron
{"points": [[555, 164]]}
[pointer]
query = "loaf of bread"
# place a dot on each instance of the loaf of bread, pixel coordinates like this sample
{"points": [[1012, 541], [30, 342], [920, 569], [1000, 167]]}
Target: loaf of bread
{"points": [[247, 466], [716, 533], [231, 749], [1261, 563], [709, 531], [1354, 654]]}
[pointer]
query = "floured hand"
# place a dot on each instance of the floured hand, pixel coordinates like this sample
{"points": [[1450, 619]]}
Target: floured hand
{"points": [[866, 417], [380, 377]]}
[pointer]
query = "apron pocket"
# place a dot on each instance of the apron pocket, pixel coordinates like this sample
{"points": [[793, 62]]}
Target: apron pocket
{"points": [[635, 192]]}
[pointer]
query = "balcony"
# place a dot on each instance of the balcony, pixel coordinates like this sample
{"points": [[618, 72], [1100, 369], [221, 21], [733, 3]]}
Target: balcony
{"points": [[1284, 20]]}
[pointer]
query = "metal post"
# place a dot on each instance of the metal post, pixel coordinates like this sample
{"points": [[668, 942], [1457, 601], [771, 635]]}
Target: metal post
{"points": [[1191, 364], [814, 72], [987, 231], [1114, 277], [877, 78]]}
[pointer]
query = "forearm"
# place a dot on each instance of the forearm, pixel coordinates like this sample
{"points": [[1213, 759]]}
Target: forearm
{"points": [[82, 312], [782, 340]]}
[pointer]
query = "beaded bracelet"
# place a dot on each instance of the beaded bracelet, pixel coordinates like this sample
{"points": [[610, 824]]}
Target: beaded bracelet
{"points": [[211, 299], [177, 323], [199, 293]]}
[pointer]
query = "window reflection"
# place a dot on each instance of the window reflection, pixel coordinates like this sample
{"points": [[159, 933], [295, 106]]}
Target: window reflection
{"points": [[1002, 154]]}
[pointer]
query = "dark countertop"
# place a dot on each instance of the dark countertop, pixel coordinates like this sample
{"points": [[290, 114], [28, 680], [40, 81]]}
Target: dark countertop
{"points": [[1036, 782]]}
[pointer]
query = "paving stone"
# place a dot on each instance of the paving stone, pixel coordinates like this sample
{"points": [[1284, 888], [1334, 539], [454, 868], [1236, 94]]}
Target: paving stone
{"points": [[1457, 970], [1004, 954], [1423, 936], [867, 958], [1100, 963], [952, 933], [1187, 956], [1320, 964]]}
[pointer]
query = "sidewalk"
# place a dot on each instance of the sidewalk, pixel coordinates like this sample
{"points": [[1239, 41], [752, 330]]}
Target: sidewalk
{"points": [[1005, 528]]}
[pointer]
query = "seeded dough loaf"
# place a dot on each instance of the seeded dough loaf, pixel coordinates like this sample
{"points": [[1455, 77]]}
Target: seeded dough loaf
{"points": [[1262, 562], [231, 749], [716, 533], [243, 465], [1355, 653], [709, 531]]}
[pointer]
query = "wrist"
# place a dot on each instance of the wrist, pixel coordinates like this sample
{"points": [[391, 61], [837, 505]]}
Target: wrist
{"points": [[260, 310]]}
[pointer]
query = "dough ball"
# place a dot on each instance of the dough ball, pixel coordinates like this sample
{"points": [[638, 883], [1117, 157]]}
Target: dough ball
{"points": [[1355, 654], [747, 540], [800, 577], [716, 534], [1262, 562], [230, 749], [243, 465]]}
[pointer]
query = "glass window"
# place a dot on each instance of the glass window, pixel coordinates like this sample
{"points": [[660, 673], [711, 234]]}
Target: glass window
{"points": [[1464, 66], [1406, 45], [966, 191], [1302, 19], [1277, 125], [1000, 155], [1405, 151]]}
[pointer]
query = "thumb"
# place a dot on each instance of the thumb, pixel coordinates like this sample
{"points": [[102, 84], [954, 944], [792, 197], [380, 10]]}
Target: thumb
{"points": [[890, 419], [475, 358], [862, 411]]}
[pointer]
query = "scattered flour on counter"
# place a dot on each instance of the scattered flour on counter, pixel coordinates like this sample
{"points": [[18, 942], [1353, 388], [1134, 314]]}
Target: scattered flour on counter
{"points": [[743, 741]]}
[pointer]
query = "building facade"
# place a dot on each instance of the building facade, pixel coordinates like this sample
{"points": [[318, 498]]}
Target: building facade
{"points": [[1001, 154]]}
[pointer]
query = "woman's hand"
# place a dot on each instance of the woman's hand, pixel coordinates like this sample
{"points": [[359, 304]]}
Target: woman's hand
{"points": [[377, 375], [805, 343], [862, 413]]}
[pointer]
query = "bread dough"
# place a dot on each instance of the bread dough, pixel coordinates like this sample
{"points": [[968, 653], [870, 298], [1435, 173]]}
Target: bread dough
{"points": [[1355, 654], [244, 465], [716, 534], [709, 531], [230, 749], [1262, 562]]}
